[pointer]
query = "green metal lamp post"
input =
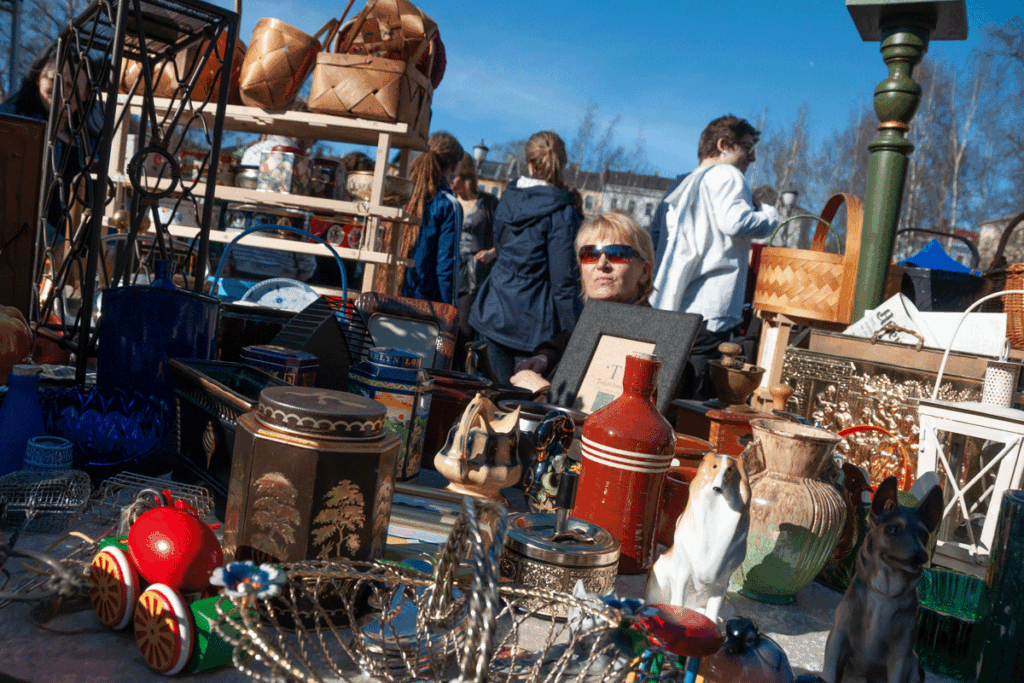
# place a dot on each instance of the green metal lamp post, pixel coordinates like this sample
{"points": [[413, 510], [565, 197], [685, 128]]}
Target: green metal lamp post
{"points": [[904, 29]]}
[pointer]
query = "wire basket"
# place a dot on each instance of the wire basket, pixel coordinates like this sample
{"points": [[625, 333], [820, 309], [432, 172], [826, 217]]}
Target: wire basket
{"points": [[43, 502], [340, 620], [121, 490]]}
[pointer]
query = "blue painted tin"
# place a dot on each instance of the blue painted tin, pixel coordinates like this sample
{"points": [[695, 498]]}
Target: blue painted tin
{"points": [[394, 377], [293, 366]]}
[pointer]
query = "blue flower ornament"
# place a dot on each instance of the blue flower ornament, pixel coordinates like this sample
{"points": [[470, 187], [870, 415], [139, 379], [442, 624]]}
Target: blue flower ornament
{"points": [[242, 579]]}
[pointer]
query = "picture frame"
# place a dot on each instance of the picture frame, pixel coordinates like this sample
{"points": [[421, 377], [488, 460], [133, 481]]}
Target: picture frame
{"points": [[605, 333]]}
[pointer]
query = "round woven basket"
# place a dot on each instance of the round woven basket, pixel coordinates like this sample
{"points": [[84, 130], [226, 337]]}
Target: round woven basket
{"points": [[277, 63]]}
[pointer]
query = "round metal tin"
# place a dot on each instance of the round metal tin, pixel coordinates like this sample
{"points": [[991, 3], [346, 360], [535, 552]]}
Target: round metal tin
{"points": [[532, 536], [321, 413]]}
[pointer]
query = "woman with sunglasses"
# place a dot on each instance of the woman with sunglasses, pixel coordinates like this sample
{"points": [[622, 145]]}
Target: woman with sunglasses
{"points": [[616, 258], [531, 293]]}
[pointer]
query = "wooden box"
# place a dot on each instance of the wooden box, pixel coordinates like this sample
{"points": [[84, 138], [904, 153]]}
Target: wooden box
{"points": [[21, 159]]}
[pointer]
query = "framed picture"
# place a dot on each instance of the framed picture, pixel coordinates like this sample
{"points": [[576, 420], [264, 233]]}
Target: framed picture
{"points": [[589, 375]]}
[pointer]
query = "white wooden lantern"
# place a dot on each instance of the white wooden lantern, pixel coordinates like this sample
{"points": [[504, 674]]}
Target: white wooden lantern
{"points": [[976, 450]]}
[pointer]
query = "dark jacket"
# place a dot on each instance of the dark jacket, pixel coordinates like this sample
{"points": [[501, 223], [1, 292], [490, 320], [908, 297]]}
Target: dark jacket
{"points": [[436, 253], [26, 102], [532, 293]]}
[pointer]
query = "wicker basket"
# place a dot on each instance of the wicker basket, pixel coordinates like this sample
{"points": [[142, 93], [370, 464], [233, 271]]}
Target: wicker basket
{"points": [[372, 88], [168, 75], [813, 284], [1002, 276], [277, 62], [381, 81]]}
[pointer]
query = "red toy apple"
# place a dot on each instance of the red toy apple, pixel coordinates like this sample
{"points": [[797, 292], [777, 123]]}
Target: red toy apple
{"points": [[171, 545]]}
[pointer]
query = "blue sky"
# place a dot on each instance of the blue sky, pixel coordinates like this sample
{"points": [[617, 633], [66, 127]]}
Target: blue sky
{"points": [[666, 68]]}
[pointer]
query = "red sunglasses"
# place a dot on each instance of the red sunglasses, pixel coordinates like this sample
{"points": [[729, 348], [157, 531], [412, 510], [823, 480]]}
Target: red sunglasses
{"points": [[615, 253]]}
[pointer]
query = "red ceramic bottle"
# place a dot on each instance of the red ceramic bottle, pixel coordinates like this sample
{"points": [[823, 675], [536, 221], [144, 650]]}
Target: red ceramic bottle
{"points": [[627, 450]]}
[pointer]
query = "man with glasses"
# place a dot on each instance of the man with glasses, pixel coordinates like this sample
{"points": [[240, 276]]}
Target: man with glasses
{"points": [[702, 250]]}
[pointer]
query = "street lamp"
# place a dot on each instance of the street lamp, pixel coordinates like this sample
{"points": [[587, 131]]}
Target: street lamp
{"points": [[904, 29], [480, 153], [789, 199]]}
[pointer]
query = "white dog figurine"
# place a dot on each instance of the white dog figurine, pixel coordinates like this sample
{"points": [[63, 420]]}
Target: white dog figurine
{"points": [[710, 541]]}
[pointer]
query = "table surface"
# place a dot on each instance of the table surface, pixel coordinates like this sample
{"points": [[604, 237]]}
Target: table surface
{"points": [[75, 648]]}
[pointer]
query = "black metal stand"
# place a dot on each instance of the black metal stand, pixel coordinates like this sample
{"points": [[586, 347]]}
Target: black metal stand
{"points": [[182, 48]]}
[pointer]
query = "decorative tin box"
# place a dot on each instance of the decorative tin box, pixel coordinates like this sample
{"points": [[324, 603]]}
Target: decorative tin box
{"points": [[312, 477], [393, 377], [343, 234], [535, 555], [325, 177], [284, 169], [293, 366]]}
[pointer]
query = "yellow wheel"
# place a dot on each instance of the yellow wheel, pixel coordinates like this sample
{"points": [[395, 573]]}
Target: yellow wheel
{"points": [[115, 587], [163, 629]]}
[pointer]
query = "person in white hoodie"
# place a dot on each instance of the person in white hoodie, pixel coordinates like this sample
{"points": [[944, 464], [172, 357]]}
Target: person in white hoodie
{"points": [[702, 253]]}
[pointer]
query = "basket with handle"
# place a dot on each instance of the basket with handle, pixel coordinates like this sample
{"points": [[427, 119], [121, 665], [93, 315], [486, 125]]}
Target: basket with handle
{"points": [[373, 86], [345, 620], [812, 283], [277, 62], [998, 275], [170, 75]]}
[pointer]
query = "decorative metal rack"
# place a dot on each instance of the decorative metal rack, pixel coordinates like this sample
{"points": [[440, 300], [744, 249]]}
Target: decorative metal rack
{"points": [[184, 40]]}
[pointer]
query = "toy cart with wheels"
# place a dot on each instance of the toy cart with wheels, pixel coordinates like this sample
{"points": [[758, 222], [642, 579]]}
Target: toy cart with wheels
{"points": [[174, 632], [157, 578]]}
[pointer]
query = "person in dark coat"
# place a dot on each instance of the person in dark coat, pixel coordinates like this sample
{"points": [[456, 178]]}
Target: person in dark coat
{"points": [[434, 276], [532, 293]]}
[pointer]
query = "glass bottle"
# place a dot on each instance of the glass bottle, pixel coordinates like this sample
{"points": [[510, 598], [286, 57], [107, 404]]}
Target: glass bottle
{"points": [[627, 450], [20, 416]]}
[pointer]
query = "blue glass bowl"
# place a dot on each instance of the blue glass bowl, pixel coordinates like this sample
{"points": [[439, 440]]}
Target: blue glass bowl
{"points": [[112, 430]]}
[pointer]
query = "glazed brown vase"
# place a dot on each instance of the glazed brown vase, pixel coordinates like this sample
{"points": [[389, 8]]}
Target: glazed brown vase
{"points": [[627, 451], [795, 517]]}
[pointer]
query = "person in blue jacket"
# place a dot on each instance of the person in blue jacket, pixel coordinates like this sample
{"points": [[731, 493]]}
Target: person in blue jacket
{"points": [[434, 274], [532, 293]]}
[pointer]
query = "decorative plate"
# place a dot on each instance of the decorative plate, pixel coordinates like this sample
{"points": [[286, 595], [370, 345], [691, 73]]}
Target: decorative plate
{"points": [[281, 292]]}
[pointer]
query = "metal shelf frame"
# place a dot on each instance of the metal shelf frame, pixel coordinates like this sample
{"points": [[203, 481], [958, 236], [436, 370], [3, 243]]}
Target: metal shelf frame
{"points": [[192, 38]]}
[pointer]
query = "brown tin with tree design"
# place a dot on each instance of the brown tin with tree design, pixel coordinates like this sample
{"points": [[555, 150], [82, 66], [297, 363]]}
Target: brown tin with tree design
{"points": [[312, 477]]}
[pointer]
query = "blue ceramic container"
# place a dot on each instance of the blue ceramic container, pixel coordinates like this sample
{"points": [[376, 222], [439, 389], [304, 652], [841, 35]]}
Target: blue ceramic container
{"points": [[48, 454], [394, 377]]}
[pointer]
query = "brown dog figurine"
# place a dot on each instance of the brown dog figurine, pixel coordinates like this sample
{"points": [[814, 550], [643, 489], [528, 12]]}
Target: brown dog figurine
{"points": [[875, 629]]}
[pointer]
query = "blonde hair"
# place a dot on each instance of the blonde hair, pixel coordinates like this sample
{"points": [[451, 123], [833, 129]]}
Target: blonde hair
{"points": [[619, 227], [427, 170], [546, 153]]}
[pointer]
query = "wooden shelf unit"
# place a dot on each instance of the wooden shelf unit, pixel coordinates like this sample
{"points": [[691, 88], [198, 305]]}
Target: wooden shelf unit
{"points": [[385, 136]]}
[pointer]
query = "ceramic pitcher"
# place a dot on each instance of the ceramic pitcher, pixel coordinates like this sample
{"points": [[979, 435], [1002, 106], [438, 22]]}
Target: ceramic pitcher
{"points": [[795, 516]]}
